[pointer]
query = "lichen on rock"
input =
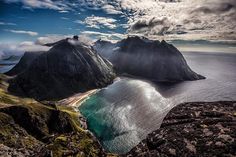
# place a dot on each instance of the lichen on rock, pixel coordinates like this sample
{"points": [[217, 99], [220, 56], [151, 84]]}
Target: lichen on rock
{"points": [[193, 129]]}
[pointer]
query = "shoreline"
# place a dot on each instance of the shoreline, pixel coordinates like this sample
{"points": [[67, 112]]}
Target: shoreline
{"points": [[177, 117], [190, 128], [174, 118], [77, 99]]}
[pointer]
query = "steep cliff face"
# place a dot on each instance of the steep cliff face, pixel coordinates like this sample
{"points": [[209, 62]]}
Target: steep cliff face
{"points": [[68, 67], [154, 60], [30, 128]]}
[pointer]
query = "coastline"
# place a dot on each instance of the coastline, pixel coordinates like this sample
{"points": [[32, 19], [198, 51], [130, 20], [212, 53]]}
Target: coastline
{"points": [[188, 124], [202, 116], [77, 99], [190, 129]]}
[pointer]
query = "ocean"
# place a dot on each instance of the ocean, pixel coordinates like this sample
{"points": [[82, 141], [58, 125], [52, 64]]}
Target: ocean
{"points": [[125, 112]]}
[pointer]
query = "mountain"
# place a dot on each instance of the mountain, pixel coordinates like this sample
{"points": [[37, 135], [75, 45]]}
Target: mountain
{"points": [[105, 48], [68, 67], [24, 63], [9, 60], [151, 59], [30, 128]]}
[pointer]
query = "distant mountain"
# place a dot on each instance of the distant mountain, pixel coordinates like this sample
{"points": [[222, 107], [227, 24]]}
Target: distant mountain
{"points": [[68, 67], [24, 63], [9, 60], [106, 48], [151, 59]]}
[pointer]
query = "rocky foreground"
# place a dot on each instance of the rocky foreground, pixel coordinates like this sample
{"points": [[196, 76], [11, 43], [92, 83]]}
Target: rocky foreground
{"points": [[193, 129], [31, 128], [45, 129]]}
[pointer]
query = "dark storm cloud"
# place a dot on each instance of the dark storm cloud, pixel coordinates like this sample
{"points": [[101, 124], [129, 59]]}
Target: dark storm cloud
{"points": [[160, 25], [217, 8], [209, 19]]}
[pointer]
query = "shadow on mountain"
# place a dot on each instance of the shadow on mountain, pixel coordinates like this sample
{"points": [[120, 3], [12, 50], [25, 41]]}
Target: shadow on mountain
{"points": [[150, 59], [68, 67]]}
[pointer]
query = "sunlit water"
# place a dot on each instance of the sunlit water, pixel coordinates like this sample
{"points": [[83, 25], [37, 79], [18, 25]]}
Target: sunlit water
{"points": [[122, 114]]}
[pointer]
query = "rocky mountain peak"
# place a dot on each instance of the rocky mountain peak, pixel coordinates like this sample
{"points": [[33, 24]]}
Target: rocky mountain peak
{"points": [[68, 67]]}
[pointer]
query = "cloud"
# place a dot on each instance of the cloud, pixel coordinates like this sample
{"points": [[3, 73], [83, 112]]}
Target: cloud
{"points": [[62, 6], [7, 23], [100, 22], [63, 11], [174, 19], [51, 38], [185, 19], [8, 49], [110, 9], [65, 18], [161, 19], [92, 4], [105, 36], [154, 25], [22, 32], [217, 7], [17, 49]]}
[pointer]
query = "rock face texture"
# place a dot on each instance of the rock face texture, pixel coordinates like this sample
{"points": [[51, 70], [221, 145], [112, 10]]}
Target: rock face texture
{"points": [[68, 67], [154, 60], [24, 63], [29, 128], [193, 129]]}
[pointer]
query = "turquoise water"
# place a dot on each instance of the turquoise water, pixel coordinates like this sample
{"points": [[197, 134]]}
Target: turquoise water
{"points": [[122, 114], [96, 118], [115, 114]]}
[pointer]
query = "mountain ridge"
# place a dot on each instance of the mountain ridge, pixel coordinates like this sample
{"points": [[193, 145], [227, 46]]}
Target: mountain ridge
{"points": [[68, 67], [150, 59]]}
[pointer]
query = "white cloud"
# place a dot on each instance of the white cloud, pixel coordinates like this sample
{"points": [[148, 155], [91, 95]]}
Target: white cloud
{"points": [[110, 9], [169, 19], [46, 4], [7, 23], [31, 33], [188, 19], [105, 36], [79, 22], [31, 46], [100, 22], [65, 18], [51, 38], [63, 11], [8, 49]]}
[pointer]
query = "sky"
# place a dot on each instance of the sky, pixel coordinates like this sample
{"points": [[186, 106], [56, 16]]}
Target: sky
{"points": [[30, 22]]}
